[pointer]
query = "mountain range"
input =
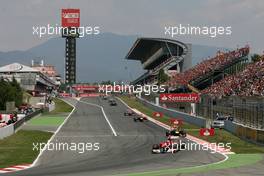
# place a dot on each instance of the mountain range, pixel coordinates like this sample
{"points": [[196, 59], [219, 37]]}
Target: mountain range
{"points": [[99, 57]]}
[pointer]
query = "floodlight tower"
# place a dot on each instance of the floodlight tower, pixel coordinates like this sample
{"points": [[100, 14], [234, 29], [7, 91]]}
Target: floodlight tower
{"points": [[70, 22]]}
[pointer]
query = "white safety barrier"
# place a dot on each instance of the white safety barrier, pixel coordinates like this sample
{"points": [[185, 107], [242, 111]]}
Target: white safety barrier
{"points": [[51, 106], [6, 131]]}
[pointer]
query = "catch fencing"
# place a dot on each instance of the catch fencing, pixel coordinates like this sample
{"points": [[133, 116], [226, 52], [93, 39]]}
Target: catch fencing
{"points": [[247, 111]]}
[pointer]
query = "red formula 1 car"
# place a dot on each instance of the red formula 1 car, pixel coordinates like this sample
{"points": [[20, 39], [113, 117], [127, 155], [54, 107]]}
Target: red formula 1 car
{"points": [[129, 112]]}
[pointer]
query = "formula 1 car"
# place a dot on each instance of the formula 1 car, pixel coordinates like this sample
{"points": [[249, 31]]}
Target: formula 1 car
{"points": [[112, 102], [174, 134], [129, 112], [170, 146], [140, 118]]}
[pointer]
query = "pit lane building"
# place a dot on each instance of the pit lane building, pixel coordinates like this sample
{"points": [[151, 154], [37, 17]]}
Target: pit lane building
{"points": [[30, 79]]}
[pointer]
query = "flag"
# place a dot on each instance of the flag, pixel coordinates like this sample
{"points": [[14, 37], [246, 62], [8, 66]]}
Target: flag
{"points": [[207, 132], [157, 114]]}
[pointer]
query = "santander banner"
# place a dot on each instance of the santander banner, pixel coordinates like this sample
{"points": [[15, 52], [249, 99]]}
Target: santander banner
{"points": [[70, 17], [89, 95], [180, 97], [85, 87]]}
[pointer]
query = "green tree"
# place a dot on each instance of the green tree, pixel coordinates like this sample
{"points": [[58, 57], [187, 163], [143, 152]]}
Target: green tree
{"points": [[63, 87], [3, 93], [10, 91], [17, 92], [255, 57], [162, 77]]}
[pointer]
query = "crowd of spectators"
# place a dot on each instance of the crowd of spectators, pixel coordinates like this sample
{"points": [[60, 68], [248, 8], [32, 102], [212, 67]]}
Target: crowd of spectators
{"points": [[207, 66], [249, 82]]}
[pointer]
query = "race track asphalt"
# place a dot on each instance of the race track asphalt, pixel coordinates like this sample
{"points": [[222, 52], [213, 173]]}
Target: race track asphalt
{"points": [[128, 152]]}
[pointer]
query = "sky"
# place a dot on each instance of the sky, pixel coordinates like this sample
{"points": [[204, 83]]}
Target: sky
{"points": [[146, 18]]}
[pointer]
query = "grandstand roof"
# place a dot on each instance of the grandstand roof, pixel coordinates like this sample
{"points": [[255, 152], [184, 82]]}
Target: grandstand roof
{"points": [[144, 48]]}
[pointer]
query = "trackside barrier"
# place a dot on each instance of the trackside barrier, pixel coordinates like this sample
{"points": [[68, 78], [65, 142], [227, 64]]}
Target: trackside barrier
{"points": [[246, 133], [10, 129], [51, 106], [199, 121], [6, 131]]}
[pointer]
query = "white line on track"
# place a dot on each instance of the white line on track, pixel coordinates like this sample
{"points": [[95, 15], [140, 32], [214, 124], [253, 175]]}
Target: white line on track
{"points": [[53, 136], [106, 118]]}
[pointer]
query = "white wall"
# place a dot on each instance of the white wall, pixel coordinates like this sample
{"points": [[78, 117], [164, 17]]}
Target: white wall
{"points": [[6, 131]]}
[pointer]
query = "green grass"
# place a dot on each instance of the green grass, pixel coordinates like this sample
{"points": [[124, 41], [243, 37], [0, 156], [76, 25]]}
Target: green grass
{"points": [[234, 161], [53, 118], [18, 148], [238, 145], [47, 121], [134, 103], [61, 107]]}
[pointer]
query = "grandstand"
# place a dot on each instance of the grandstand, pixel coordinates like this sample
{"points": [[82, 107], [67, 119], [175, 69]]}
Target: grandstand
{"points": [[157, 54], [174, 58], [249, 82], [211, 70]]}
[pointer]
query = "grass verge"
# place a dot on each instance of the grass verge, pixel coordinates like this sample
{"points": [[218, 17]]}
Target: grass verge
{"points": [[18, 148], [221, 136], [47, 121], [134, 103], [61, 107], [234, 161], [55, 117]]}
